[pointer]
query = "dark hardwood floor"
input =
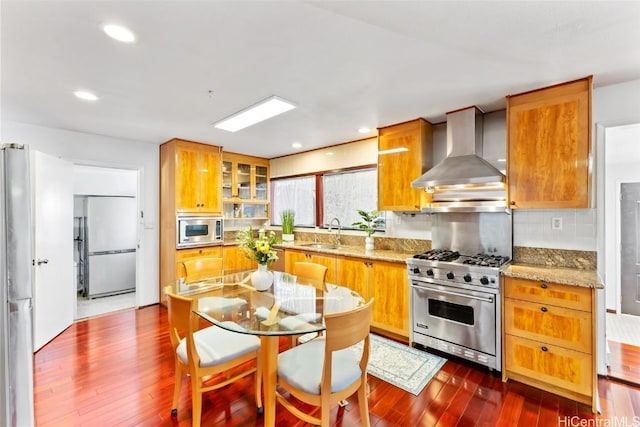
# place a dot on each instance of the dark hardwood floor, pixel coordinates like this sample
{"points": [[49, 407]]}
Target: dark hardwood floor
{"points": [[624, 362], [117, 370]]}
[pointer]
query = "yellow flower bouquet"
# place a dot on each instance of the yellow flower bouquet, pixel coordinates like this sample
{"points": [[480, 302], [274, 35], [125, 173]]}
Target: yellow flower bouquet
{"points": [[258, 249]]}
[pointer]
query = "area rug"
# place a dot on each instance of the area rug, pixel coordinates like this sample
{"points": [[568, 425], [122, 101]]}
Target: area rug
{"points": [[401, 365]]}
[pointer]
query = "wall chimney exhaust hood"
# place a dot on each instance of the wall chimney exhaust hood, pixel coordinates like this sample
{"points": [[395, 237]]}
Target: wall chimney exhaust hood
{"points": [[464, 181]]}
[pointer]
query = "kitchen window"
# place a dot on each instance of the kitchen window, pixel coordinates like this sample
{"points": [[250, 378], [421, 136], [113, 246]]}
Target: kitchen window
{"points": [[298, 194], [345, 192], [331, 195]]}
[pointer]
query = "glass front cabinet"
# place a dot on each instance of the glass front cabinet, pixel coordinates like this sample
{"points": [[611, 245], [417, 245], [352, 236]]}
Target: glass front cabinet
{"points": [[245, 186]]}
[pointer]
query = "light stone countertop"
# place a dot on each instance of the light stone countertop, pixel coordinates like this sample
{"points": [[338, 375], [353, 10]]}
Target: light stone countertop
{"points": [[345, 250], [566, 276], [352, 251]]}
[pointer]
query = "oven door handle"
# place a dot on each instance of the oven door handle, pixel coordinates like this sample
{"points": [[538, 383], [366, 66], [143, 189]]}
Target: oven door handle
{"points": [[455, 294]]}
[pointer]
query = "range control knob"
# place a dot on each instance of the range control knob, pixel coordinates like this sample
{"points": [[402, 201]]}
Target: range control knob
{"points": [[450, 275], [467, 277], [484, 280], [430, 272], [415, 270]]}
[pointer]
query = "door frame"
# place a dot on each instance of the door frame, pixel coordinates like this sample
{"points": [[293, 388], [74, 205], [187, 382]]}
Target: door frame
{"points": [[140, 252]]}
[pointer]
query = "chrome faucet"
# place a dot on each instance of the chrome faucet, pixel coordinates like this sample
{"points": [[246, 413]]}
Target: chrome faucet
{"points": [[339, 228]]}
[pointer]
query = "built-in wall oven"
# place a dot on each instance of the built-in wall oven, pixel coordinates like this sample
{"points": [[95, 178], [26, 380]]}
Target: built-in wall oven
{"points": [[455, 297]]}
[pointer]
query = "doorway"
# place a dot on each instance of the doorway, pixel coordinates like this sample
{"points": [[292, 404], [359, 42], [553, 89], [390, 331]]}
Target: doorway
{"points": [[622, 237], [96, 189]]}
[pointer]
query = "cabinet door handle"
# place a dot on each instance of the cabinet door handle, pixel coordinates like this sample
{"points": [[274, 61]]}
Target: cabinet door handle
{"points": [[544, 309], [543, 285], [544, 348], [513, 203]]}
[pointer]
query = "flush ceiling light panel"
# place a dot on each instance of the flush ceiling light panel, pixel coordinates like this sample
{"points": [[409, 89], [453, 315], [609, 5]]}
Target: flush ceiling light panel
{"points": [[256, 113]]}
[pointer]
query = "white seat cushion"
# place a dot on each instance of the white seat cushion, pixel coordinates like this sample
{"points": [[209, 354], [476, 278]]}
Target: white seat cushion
{"points": [[216, 345], [302, 365], [219, 303], [299, 322]]}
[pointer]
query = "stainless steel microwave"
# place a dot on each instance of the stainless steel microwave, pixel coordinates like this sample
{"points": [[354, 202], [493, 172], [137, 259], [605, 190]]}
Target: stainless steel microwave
{"points": [[192, 231]]}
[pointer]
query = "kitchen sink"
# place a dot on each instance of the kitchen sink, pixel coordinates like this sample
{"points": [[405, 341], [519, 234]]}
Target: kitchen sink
{"points": [[320, 246]]}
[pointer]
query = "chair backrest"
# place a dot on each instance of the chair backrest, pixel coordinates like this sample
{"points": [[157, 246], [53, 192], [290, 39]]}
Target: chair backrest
{"points": [[202, 268], [182, 323], [309, 270], [346, 329]]}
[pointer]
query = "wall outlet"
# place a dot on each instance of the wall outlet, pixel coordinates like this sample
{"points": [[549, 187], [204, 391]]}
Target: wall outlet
{"points": [[556, 223]]}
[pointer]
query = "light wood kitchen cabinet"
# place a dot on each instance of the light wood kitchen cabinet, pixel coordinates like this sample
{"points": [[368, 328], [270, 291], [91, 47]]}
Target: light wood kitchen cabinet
{"points": [[183, 255], [193, 175], [190, 183], [549, 343], [329, 261], [405, 152], [234, 259], [548, 145], [171, 267], [245, 186], [386, 282]]}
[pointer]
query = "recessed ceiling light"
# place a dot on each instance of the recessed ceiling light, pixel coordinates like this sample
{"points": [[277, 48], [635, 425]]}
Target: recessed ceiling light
{"points": [[119, 33], [296, 145], [87, 96], [502, 160], [364, 129], [256, 113], [330, 153]]}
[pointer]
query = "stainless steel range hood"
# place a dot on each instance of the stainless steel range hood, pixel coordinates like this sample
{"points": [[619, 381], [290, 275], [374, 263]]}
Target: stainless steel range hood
{"points": [[464, 181]]}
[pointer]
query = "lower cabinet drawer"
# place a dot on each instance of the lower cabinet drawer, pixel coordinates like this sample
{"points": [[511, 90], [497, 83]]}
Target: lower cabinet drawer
{"points": [[558, 367], [546, 323]]}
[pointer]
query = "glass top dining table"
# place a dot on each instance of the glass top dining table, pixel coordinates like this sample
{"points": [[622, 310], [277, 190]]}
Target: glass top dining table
{"points": [[291, 306]]}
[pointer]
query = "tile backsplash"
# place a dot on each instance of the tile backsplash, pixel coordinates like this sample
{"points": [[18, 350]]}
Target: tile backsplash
{"points": [[573, 229]]}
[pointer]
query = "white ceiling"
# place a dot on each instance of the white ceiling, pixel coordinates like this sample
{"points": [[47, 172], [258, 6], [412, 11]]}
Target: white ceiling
{"points": [[345, 64]]}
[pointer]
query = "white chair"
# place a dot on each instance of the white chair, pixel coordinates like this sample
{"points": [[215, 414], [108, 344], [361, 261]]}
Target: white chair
{"points": [[326, 370]]}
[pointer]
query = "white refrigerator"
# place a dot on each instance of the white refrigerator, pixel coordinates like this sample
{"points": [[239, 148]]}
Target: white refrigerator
{"points": [[16, 353], [110, 242]]}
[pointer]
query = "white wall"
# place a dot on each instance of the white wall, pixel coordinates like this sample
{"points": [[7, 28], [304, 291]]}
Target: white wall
{"points": [[97, 181], [97, 150]]}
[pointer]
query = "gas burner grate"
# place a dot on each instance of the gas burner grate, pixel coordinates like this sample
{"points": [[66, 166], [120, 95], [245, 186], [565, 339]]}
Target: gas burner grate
{"points": [[439, 255], [486, 260]]}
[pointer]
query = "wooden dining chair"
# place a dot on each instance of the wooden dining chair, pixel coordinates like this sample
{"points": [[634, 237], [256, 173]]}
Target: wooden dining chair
{"points": [[202, 268], [310, 270], [206, 353], [317, 273], [329, 369]]}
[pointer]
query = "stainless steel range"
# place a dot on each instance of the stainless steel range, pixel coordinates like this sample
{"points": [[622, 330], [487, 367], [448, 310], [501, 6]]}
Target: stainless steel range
{"points": [[455, 292]]}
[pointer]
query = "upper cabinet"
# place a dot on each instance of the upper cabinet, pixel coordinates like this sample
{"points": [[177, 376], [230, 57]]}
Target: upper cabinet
{"points": [[245, 186], [548, 144], [191, 173], [405, 152]]}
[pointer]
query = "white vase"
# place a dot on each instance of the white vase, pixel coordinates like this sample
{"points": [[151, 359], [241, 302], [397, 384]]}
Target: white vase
{"points": [[368, 243], [262, 278]]}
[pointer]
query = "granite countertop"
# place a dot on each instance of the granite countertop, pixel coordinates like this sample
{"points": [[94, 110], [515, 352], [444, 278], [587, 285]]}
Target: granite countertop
{"points": [[346, 250], [353, 251], [562, 275]]}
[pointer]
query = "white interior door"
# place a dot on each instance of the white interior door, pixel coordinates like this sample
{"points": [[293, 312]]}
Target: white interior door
{"points": [[54, 287]]}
